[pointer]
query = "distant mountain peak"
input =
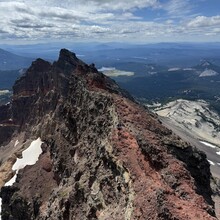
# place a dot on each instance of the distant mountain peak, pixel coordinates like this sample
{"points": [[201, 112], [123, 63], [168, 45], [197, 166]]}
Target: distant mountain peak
{"points": [[11, 61], [206, 63]]}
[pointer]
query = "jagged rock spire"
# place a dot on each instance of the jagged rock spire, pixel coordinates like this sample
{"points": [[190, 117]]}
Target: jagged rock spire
{"points": [[68, 58]]}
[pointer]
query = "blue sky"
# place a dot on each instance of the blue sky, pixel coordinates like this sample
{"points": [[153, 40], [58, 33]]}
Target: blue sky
{"points": [[144, 21]]}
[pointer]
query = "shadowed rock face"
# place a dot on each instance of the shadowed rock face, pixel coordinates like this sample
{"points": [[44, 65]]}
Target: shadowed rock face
{"points": [[104, 156]]}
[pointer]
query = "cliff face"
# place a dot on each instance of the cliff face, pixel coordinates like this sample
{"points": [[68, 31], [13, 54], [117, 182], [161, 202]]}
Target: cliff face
{"points": [[104, 156]]}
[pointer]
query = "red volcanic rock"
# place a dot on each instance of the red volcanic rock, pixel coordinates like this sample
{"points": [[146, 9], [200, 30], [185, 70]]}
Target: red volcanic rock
{"points": [[104, 156], [46, 163]]}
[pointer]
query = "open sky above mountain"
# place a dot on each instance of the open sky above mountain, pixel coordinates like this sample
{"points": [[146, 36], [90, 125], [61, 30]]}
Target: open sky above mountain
{"points": [[25, 21]]}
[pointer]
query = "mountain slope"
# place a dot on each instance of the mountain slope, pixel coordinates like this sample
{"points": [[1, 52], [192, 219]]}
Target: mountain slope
{"points": [[8, 78], [10, 61], [103, 155], [194, 117], [199, 82]]}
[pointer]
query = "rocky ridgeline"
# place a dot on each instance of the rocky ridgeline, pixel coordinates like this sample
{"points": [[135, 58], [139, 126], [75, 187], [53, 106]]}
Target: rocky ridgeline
{"points": [[104, 156]]}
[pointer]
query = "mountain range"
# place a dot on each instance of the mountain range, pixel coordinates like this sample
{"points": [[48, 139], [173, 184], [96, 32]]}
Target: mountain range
{"points": [[198, 82], [11, 61]]}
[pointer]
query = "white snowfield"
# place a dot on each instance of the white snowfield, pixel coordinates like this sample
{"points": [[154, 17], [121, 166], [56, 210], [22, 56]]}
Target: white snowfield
{"points": [[208, 144], [194, 117], [3, 92], [188, 69], [208, 72], [214, 147], [113, 72], [29, 157], [173, 69], [211, 163]]}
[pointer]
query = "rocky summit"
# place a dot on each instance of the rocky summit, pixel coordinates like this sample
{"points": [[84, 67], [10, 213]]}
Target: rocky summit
{"points": [[104, 156]]}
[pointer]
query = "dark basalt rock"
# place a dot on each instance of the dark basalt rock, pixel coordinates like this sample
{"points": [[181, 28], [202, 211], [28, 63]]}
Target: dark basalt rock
{"points": [[7, 126], [68, 58], [14, 207], [4, 113]]}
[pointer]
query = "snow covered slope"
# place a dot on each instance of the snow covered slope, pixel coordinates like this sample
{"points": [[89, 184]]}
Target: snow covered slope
{"points": [[208, 72], [29, 157], [194, 117]]}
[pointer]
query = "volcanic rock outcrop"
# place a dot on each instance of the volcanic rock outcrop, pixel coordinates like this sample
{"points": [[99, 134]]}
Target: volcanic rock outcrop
{"points": [[104, 156]]}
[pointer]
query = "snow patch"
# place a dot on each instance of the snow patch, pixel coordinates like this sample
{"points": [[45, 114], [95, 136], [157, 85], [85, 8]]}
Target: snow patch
{"points": [[218, 152], [29, 157], [113, 72], [195, 117], [208, 144], [16, 143], [106, 69], [154, 105], [152, 73], [12, 180], [3, 92], [22, 71], [188, 69], [211, 163], [208, 72], [173, 69]]}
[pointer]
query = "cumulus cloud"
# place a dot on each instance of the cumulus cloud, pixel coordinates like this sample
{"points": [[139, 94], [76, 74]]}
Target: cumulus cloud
{"points": [[95, 19], [203, 21], [70, 18]]}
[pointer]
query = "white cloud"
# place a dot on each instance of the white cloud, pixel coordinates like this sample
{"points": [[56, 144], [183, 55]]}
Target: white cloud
{"points": [[25, 19], [102, 20], [203, 21], [123, 5], [216, 30], [178, 8]]}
